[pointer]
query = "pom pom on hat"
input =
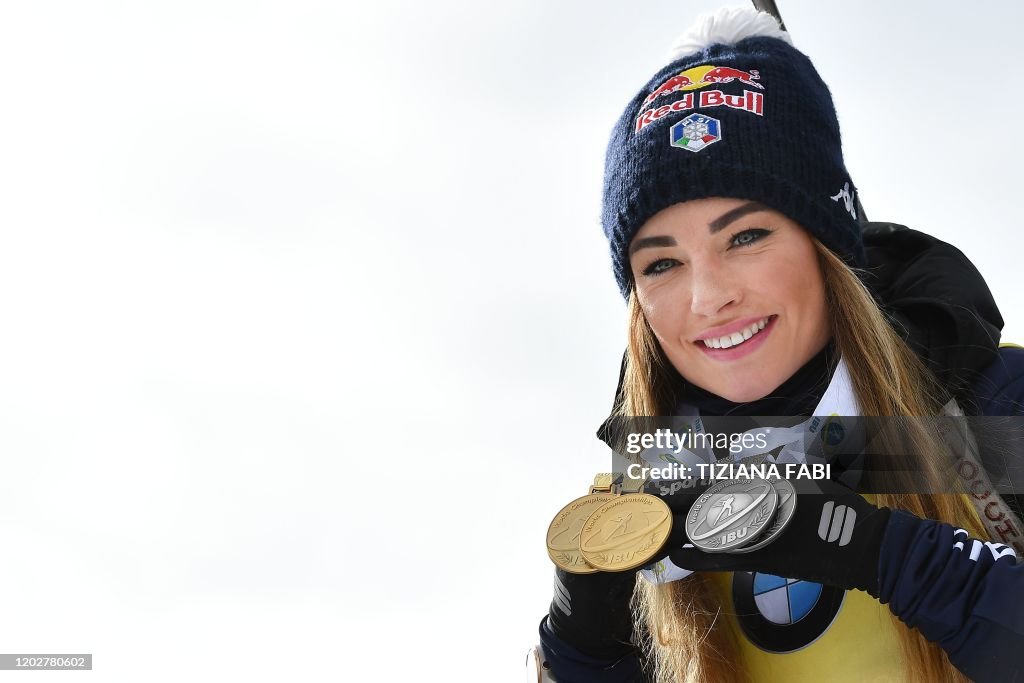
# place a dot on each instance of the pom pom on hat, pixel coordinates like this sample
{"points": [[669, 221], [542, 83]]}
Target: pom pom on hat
{"points": [[727, 26]]}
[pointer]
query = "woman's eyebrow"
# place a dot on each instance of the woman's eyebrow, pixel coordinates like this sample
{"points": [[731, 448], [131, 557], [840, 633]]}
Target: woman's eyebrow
{"points": [[728, 217], [646, 242]]}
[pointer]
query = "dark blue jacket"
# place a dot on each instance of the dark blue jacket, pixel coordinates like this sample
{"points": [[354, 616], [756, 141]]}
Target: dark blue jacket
{"points": [[964, 595]]}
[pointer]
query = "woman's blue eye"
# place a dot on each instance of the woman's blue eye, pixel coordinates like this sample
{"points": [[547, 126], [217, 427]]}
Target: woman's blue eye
{"points": [[747, 237], [660, 266], [743, 238]]}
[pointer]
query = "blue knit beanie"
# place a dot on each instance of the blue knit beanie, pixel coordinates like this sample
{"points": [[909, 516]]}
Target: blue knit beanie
{"points": [[748, 119]]}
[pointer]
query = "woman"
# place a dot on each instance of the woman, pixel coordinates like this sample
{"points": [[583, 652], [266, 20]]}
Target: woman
{"points": [[736, 242]]}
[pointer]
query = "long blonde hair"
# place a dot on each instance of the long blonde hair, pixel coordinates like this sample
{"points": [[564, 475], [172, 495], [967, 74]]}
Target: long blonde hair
{"points": [[686, 641]]}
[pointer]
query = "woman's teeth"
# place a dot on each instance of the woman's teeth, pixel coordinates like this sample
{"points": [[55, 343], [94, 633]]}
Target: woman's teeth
{"points": [[736, 337]]}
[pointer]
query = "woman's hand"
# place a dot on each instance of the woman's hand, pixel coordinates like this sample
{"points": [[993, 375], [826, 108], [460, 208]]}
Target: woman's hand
{"points": [[835, 538]]}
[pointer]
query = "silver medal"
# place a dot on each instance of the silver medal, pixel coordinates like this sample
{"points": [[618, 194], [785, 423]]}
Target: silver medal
{"points": [[783, 516], [731, 514]]}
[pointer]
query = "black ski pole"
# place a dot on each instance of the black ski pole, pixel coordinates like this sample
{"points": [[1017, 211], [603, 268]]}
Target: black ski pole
{"points": [[771, 8]]}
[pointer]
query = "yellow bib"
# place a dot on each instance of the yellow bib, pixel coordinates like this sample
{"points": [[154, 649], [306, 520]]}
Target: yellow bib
{"points": [[859, 643]]}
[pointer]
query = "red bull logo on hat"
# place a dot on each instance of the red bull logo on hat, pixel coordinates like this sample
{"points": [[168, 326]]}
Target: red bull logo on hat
{"points": [[701, 77], [747, 101]]}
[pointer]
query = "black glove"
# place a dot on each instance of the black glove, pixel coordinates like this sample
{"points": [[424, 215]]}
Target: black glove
{"points": [[827, 515], [591, 612]]}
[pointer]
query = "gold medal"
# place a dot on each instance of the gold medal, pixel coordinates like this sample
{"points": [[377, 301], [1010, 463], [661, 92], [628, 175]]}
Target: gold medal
{"points": [[625, 532], [564, 532]]}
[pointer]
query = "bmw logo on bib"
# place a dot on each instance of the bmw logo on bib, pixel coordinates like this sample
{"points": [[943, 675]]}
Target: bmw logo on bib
{"points": [[783, 615]]}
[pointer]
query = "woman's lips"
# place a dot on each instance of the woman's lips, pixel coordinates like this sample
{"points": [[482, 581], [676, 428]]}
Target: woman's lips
{"points": [[743, 349]]}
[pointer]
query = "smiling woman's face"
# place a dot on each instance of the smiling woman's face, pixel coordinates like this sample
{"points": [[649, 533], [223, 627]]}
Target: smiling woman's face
{"points": [[733, 292]]}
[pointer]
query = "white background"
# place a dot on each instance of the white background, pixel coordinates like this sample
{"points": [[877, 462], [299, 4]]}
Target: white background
{"points": [[308, 319]]}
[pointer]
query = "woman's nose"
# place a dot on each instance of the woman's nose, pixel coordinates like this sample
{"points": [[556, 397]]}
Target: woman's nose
{"points": [[713, 288]]}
